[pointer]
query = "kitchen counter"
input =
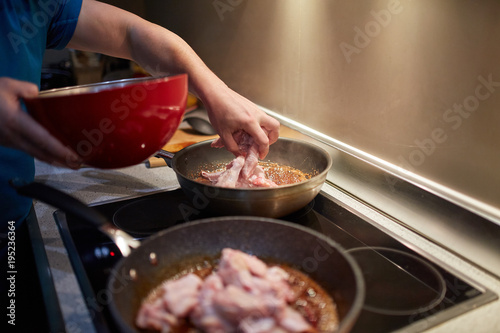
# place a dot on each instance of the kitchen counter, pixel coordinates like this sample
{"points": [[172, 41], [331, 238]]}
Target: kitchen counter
{"points": [[94, 186]]}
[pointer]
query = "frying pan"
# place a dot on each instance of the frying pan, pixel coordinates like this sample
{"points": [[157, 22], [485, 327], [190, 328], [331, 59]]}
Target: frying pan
{"points": [[170, 251], [266, 202]]}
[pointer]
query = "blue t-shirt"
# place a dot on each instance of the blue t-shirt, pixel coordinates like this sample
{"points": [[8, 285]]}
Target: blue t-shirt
{"points": [[27, 28]]}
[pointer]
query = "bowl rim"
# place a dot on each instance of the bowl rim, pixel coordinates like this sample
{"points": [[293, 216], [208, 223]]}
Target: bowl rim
{"points": [[105, 86]]}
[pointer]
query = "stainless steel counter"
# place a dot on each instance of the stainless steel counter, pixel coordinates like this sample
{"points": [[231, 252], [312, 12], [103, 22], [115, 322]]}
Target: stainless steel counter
{"points": [[411, 201]]}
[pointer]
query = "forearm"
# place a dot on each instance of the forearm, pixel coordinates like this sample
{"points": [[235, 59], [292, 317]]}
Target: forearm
{"points": [[106, 29], [109, 30], [160, 52]]}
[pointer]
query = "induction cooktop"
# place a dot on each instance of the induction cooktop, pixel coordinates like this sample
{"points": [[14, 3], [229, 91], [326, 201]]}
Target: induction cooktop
{"points": [[405, 291]]}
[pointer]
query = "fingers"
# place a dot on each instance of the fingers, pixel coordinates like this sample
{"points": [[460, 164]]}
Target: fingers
{"points": [[259, 135], [20, 131], [266, 134], [23, 89], [231, 113], [272, 127], [37, 141]]}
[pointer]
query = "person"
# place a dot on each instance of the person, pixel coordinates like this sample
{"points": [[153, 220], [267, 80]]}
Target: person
{"points": [[98, 27], [30, 27]]}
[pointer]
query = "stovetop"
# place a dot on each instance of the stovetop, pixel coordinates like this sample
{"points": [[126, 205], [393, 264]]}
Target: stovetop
{"points": [[404, 289]]}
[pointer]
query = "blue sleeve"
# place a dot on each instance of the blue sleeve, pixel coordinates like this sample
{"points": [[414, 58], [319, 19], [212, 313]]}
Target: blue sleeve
{"points": [[64, 21]]}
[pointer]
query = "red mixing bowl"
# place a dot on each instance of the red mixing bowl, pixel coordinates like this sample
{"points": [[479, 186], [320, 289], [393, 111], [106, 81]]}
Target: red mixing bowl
{"points": [[113, 124]]}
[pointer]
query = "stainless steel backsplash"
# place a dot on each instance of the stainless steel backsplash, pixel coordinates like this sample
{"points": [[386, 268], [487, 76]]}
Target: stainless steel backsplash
{"points": [[414, 83]]}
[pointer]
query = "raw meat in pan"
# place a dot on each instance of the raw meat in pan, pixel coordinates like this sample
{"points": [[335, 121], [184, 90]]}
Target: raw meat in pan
{"points": [[243, 171], [242, 295]]}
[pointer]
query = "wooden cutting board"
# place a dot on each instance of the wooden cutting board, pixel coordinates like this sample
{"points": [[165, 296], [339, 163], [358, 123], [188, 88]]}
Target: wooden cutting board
{"points": [[182, 138]]}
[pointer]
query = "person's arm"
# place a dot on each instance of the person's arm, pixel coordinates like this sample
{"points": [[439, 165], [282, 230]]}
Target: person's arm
{"points": [[22, 132], [109, 30]]}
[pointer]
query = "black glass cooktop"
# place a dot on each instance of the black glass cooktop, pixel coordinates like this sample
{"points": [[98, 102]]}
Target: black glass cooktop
{"points": [[404, 290]]}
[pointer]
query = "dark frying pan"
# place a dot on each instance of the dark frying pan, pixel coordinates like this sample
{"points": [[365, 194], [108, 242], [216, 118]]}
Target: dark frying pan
{"points": [[167, 253], [266, 202]]}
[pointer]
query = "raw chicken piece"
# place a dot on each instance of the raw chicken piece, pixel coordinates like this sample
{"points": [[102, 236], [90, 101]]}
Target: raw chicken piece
{"points": [[278, 282], [235, 304], [242, 295], [251, 152], [230, 177], [176, 299], [154, 315], [252, 274], [292, 321], [260, 325], [204, 315], [237, 267], [243, 171], [181, 295], [212, 176], [258, 178]]}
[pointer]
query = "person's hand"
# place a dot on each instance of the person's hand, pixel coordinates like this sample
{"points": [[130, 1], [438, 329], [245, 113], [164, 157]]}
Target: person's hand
{"points": [[109, 30], [22, 132], [230, 113]]}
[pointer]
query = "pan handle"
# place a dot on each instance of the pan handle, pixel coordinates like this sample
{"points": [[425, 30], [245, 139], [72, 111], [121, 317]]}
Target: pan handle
{"points": [[166, 155], [69, 204], [58, 199]]}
